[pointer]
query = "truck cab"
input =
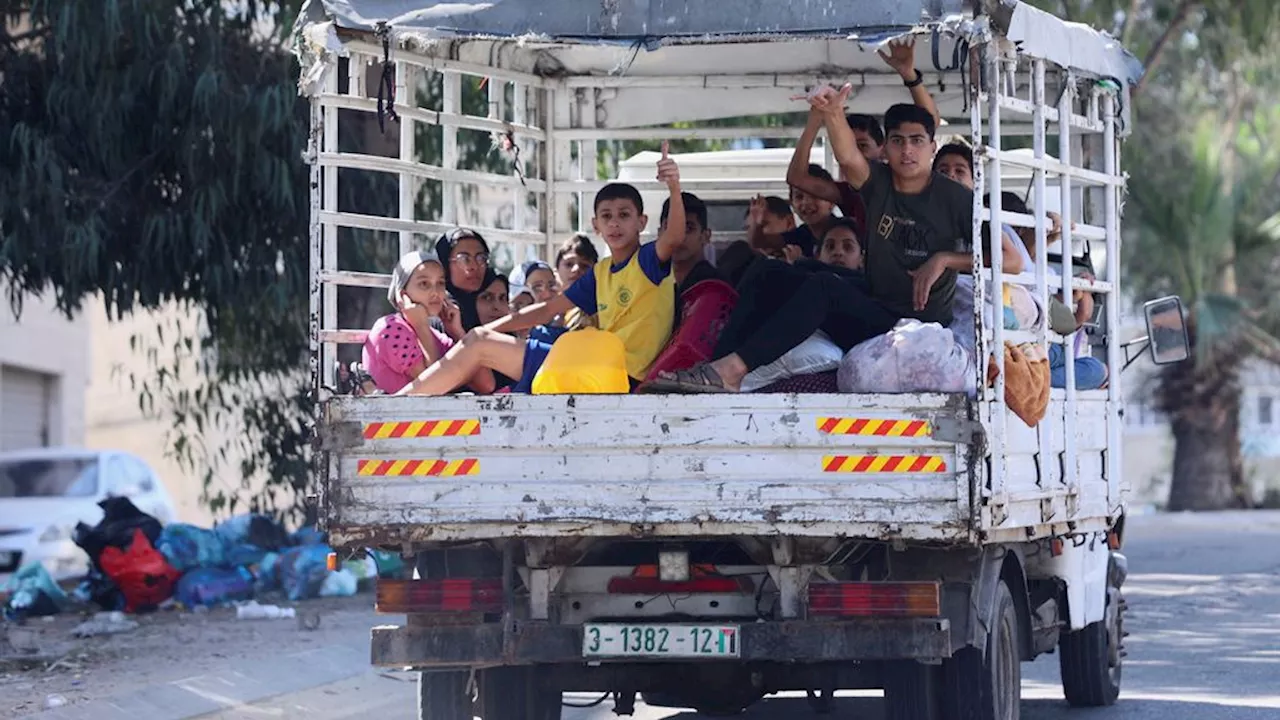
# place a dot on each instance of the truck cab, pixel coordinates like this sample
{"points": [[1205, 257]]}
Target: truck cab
{"points": [[706, 551]]}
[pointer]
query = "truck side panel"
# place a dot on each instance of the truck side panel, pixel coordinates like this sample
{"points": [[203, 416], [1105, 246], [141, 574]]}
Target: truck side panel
{"points": [[1040, 492], [404, 469]]}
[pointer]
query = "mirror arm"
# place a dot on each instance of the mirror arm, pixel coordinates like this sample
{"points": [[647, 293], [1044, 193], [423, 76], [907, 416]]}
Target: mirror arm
{"points": [[1131, 359]]}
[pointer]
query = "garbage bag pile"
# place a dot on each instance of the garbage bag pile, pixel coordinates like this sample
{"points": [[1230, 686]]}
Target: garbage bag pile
{"points": [[32, 593], [137, 564]]}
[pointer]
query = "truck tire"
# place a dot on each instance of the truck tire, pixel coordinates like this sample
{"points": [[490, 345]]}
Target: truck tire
{"points": [[909, 692], [443, 696], [974, 687], [1091, 658]]}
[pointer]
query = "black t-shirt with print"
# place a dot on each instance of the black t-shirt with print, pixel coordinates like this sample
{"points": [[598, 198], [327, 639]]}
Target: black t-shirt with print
{"points": [[903, 231]]}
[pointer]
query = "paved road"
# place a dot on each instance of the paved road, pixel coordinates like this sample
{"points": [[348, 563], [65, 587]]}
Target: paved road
{"points": [[1204, 598]]}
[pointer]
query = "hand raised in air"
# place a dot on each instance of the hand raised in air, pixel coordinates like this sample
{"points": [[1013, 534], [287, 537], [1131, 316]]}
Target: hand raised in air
{"points": [[827, 99], [901, 56], [755, 211], [668, 171]]}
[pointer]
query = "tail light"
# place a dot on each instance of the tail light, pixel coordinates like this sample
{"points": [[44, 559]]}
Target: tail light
{"points": [[464, 595], [644, 580], [875, 599]]}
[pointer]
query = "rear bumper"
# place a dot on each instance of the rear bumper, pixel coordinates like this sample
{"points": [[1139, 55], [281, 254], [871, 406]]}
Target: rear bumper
{"points": [[530, 643]]}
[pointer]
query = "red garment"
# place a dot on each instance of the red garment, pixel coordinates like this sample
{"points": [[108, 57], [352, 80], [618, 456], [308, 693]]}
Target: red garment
{"points": [[144, 577], [705, 308]]}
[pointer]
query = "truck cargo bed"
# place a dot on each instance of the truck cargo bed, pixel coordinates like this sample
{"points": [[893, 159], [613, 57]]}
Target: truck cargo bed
{"points": [[405, 469]]}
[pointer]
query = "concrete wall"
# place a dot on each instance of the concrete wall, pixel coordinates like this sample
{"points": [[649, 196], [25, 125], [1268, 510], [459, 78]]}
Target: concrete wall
{"points": [[125, 353], [43, 340], [1148, 442]]}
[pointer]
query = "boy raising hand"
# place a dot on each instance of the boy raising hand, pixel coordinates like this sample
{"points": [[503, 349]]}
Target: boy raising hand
{"points": [[632, 296]]}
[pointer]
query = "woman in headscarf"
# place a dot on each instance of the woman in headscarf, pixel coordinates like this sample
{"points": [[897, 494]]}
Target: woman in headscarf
{"points": [[493, 302], [465, 256]]}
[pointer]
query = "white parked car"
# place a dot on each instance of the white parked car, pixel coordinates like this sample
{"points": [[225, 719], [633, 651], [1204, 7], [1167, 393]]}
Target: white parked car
{"points": [[44, 492]]}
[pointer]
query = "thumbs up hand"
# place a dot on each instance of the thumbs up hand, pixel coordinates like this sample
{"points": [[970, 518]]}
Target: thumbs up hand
{"points": [[668, 171]]}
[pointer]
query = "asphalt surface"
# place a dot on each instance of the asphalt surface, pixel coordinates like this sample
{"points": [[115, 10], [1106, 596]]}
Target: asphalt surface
{"points": [[1204, 612]]}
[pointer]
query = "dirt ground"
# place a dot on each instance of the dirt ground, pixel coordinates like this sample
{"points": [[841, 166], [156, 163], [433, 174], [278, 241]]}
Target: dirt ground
{"points": [[167, 645]]}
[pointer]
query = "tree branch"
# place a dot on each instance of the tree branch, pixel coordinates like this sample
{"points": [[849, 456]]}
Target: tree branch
{"points": [[1176, 23], [1130, 20]]}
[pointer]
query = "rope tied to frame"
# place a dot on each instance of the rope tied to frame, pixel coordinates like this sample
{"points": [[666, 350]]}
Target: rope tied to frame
{"points": [[505, 143], [387, 83]]}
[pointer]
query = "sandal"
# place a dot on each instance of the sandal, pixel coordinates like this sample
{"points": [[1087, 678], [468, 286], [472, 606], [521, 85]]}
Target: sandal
{"points": [[700, 378]]}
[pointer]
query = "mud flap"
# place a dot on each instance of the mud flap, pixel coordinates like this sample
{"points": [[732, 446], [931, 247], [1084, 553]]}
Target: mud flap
{"points": [[982, 600]]}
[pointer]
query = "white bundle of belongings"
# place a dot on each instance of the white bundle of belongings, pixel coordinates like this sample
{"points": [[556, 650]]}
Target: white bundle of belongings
{"points": [[1021, 311], [816, 354], [912, 357]]}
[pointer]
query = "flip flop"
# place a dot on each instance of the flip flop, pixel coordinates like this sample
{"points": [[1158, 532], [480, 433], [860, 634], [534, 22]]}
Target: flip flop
{"points": [[698, 379]]}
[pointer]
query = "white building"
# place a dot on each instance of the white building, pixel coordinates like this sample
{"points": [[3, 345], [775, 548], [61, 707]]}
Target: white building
{"points": [[44, 368], [1148, 442]]}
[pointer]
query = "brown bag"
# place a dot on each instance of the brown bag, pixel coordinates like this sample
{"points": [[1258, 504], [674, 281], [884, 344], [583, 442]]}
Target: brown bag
{"points": [[1026, 384]]}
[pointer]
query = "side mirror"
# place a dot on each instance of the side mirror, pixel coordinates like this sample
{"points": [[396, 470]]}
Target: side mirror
{"points": [[1167, 330]]}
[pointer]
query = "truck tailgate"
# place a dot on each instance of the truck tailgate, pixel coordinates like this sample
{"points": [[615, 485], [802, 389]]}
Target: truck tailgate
{"points": [[402, 469]]}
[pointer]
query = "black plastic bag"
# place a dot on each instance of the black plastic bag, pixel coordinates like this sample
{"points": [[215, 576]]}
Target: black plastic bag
{"points": [[120, 517], [101, 591], [267, 534]]}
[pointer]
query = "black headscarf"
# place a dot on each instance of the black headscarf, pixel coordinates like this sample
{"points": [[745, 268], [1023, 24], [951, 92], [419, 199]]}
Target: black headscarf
{"points": [[465, 299]]}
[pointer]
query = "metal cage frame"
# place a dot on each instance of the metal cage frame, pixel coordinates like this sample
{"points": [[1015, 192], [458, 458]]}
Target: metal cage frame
{"points": [[564, 123]]}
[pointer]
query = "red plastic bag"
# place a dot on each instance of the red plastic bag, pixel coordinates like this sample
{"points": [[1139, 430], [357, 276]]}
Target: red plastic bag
{"points": [[143, 575]]}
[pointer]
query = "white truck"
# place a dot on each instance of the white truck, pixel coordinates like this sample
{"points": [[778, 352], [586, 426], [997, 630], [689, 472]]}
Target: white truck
{"points": [[705, 551]]}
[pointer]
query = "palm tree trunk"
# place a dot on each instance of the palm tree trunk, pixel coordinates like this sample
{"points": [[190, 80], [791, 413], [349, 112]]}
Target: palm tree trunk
{"points": [[1202, 398], [1207, 467]]}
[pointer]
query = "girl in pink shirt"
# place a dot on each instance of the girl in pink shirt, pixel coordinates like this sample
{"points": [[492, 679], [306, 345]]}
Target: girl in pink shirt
{"points": [[402, 345]]}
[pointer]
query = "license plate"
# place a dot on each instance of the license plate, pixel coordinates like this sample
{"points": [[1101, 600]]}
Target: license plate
{"points": [[688, 641]]}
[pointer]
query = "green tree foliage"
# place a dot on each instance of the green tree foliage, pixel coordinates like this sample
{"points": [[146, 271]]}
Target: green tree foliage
{"points": [[151, 155], [1203, 165], [1202, 215], [1220, 31], [155, 158]]}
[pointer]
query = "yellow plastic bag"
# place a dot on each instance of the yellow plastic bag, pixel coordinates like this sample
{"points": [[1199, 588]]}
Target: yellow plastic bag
{"points": [[584, 362]]}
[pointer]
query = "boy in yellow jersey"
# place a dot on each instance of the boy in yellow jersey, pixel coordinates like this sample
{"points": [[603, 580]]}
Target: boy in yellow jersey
{"points": [[632, 296]]}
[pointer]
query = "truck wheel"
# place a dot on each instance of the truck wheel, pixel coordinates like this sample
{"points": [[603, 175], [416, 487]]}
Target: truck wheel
{"points": [[909, 691], [1091, 658], [990, 688], [443, 696]]}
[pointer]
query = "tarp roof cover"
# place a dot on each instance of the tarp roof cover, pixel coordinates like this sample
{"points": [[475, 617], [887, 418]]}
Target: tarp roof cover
{"points": [[653, 21], [632, 19]]}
